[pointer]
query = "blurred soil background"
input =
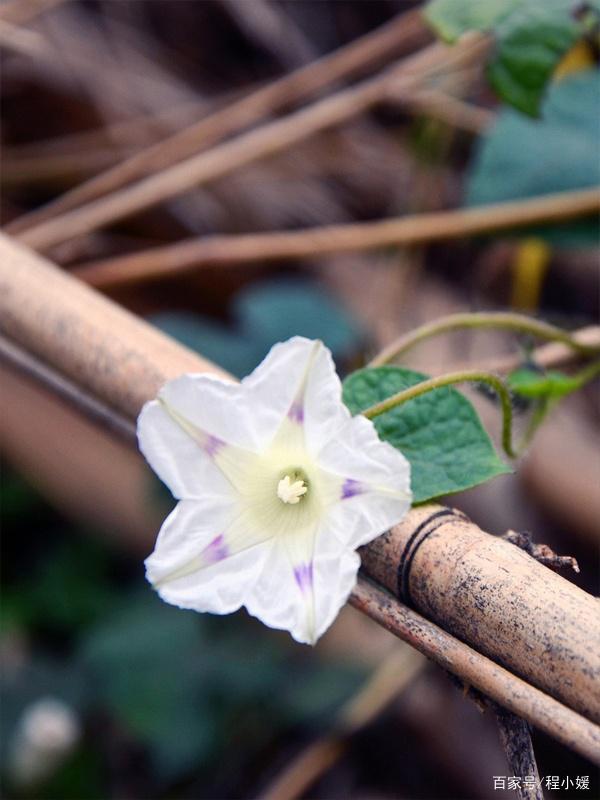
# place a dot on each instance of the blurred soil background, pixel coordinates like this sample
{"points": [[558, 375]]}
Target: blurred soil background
{"points": [[154, 702]]}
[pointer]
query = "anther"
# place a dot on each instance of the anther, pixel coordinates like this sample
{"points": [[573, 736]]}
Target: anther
{"points": [[289, 492]]}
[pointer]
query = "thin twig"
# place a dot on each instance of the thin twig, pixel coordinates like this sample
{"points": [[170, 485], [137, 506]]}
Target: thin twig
{"points": [[451, 110], [21, 12], [476, 670], [84, 402], [52, 167], [384, 686], [192, 254], [271, 138], [515, 736], [23, 41], [403, 32]]}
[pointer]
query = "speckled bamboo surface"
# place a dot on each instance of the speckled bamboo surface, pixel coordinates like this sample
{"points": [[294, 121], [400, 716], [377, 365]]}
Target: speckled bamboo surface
{"points": [[495, 596], [482, 589]]}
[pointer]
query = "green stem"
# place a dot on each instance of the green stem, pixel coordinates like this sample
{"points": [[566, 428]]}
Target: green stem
{"points": [[547, 403], [588, 374], [499, 320], [465, 376]]}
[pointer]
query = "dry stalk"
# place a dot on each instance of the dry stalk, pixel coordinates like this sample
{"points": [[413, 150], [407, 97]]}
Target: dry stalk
{"points": [[382, 688], [267, 140], [481, 588], [403, 32], [23, 41], [515, 736], [55, 167], [21, 12], [452, 110], [212, 251], [474, 669]]}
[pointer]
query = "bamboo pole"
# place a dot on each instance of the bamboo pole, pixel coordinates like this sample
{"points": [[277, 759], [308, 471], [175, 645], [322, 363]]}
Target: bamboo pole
{"points": [[487, 591], [491, 679], [490, 593], [218, 251]]}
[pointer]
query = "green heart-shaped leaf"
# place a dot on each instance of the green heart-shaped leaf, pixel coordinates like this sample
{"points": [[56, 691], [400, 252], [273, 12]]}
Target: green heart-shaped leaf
{"points": [[440, 432]]}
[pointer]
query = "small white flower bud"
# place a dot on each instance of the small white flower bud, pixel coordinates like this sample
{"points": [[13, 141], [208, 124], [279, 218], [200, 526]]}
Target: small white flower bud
{"points": [[46, 733]]}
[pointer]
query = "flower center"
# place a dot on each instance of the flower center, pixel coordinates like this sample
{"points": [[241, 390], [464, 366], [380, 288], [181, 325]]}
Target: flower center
{"points": [[292, 487]]}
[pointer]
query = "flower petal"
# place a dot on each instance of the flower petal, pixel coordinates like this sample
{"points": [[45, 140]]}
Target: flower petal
{"points": [[205, 558], [178, 460], [198, 436], [375, 488], [216, 407], [304, 584], [297, 381]]}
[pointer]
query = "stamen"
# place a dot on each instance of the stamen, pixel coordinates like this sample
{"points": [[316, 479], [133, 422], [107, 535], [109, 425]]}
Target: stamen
{"points": [[289, 492]]}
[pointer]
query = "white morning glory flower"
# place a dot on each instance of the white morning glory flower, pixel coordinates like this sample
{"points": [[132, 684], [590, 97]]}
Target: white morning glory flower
{"points": [[277, 487]]}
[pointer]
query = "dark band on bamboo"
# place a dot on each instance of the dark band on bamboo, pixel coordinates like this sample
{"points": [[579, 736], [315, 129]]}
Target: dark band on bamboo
{"points": [[415, 541]]}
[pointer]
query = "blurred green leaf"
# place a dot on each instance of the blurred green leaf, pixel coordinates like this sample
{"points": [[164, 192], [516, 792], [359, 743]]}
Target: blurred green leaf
{"points": [[550, 385], [542, 390], [531, 38], [17, 498], [81, 776], [273, 312], [439, 432], [180, 681], [235, 353], [452, 18], [319, 692], [532, 41], [522, 158], [70, 588], [148, 668], [264, 314]]}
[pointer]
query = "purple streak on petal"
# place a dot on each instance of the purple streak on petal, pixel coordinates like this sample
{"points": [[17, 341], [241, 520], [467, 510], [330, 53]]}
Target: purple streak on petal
{"points": [[296, 413], [212, 445], [216, 551], [351, 488], [304, 576]]}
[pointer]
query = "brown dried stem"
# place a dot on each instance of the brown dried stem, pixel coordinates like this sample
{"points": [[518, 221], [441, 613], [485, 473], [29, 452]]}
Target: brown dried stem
{"points": [[21, 12], [187, 256], [476, 670], [383, 687], [22, 362], [271, 138], [515, 735], [401, 33]]}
